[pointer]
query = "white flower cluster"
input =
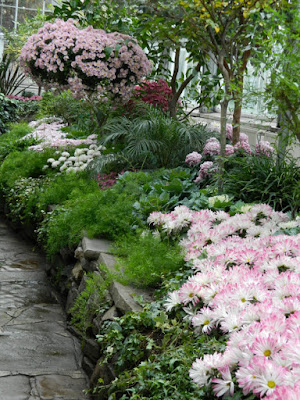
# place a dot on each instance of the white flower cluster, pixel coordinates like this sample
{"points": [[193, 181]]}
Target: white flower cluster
{"points": [[221, 199], [78, 162]]}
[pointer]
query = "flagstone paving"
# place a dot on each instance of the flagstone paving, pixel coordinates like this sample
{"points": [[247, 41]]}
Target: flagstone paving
{"points": [[39, 358]]}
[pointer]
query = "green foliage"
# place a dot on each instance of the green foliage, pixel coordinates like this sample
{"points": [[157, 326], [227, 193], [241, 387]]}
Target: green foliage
{"points": [[110, 16], [146, 260], [22, 198], [10, 141], [103, 213], [63, 188], [91, 301], [8, 112], [263, 179], [73, 111], [23, 164], [153, 353], [15, 40], [154, 139], [27, 110]]}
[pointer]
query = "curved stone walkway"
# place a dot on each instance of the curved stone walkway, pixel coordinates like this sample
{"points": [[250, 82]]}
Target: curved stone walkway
{"points": [[39, 358]]}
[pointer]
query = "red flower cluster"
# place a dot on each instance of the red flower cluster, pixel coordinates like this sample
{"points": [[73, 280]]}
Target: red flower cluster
{"points": [[106, 180], [156, 93], [22, 98]]}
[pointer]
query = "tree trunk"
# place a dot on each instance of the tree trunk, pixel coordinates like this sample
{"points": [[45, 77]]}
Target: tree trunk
{"points": [[173, 107], [237, 112], [224, 107]]}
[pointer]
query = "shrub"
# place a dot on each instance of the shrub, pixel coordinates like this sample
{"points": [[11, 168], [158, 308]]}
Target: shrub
{"points": [[22, 199], [72, 111], [157, 94], [10, 141], [87, 60], [102, 213], [27, 108], [23, 164], [63, 188], [8, 112]]}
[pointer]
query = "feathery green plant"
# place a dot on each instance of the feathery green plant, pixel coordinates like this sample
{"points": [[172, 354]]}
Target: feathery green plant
{"points": [[154, 139]]}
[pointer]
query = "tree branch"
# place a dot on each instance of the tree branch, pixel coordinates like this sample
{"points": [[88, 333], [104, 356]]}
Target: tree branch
{"points": [[176, 69]]}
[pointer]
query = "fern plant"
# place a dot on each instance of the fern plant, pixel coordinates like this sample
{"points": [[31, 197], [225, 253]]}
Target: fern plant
{"points": [[153, 139]]}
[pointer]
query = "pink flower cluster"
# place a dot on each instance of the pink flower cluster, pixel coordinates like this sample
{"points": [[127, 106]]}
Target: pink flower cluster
{"points": [[246, 285], [193, 158], [206, 170], [87, 60], [50, 135], [22, 98], [212, 148], [264, 148], [156, 93]]}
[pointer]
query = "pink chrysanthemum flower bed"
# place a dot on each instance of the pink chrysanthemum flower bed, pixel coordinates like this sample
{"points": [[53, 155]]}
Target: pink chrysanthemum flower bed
{"points": [[246, 284], [51, 135]]}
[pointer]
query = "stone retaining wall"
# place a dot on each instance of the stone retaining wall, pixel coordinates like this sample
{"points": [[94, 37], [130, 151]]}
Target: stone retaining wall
{"points": [[72, 281]]}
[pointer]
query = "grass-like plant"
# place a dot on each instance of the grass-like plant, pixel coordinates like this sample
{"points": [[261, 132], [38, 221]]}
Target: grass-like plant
{"points": [[263, 179]]}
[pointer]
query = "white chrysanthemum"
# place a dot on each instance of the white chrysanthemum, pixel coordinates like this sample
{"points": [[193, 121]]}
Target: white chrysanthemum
{"points": [[223, 199], [289, 225], [83, 157], [55, 164], [62, 159], [51, 160], [65, 154], [79, 151], [172, 300]]}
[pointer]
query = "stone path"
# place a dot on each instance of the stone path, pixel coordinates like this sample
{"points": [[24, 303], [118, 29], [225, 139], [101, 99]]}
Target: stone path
{"points": [[39, 358]]}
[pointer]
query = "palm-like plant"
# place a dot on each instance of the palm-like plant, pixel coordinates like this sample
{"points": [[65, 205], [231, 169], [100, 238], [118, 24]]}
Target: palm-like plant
{"points": [[154, 139], [10, 76]]}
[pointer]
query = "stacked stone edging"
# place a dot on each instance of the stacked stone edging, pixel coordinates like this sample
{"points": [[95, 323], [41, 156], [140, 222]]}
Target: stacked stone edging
{"points": [[89, 254]]}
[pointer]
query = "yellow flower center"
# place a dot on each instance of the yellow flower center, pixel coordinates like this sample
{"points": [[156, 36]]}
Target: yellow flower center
{"points": [[206, 322], [271, 384], [243, 299], [267, 353], [191, 294]]}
